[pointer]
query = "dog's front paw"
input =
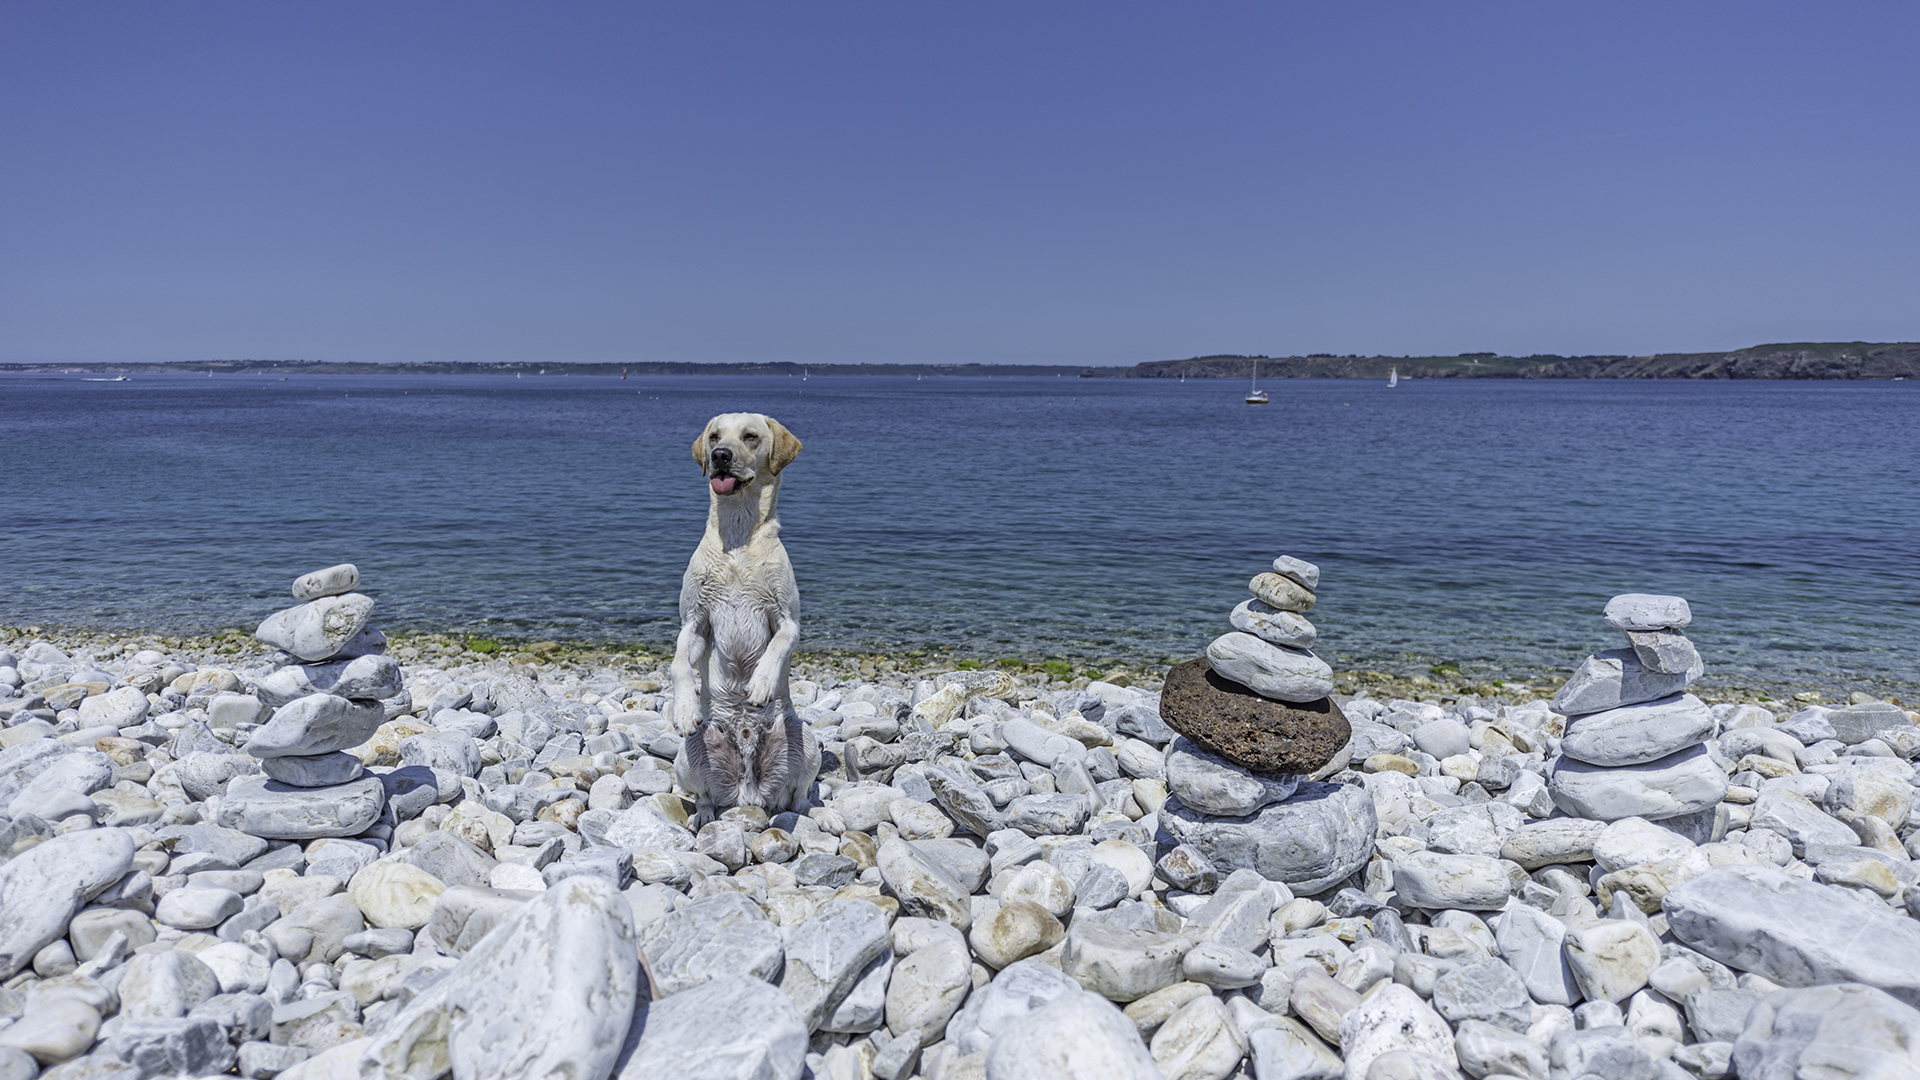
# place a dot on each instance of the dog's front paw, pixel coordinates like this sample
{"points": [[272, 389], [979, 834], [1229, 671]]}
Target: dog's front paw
{"points": [[760, 689]]}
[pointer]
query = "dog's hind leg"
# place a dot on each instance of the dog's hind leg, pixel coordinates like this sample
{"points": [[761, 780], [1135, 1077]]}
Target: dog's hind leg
{"points": [[695, 774]]}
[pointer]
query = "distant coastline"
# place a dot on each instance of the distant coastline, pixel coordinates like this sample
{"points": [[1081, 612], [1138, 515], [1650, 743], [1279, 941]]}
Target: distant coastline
{"points": [[1850, 360]]}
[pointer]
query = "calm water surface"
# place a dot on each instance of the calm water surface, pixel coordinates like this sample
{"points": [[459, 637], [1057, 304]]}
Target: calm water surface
{"points": [[1480, 522]]}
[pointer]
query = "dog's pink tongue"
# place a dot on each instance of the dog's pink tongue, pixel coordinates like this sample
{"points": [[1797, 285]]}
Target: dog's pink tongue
{"points": [[723, 485]]}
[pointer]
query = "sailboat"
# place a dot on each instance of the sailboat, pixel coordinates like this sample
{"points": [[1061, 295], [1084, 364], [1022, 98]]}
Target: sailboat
{"points": [[1256, 396], [1393, 376]]}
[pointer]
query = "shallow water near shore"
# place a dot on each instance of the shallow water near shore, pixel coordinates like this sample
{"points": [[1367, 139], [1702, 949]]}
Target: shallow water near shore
{"points": [[1483, 523]]}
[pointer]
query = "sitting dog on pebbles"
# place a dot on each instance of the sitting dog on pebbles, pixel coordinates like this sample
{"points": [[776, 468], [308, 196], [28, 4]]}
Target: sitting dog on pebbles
{"points": [[739, 619]]}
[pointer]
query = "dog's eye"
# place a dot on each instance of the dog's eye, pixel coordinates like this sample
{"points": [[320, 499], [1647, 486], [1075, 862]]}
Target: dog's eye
{"points": [[751, 437], [713, 436]]}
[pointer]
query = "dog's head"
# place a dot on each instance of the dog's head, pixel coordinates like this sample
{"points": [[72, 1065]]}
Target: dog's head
{"points": [[738, 448]]}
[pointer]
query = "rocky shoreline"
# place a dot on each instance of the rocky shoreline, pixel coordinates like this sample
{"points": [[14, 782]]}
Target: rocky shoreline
{"points": [[478, 862]]}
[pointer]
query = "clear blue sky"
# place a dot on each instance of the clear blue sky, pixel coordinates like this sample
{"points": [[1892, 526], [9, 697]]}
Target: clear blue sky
{"points": [[1097, 183]]}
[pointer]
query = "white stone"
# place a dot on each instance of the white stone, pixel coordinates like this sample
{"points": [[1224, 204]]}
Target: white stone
{"points": [[55, 1031], [1122, 964], [1272, 671], [1763, 920], [828, 953], [1321, 835], [364, 678], [1389, 1019], [1213, 785], [315, 724], [260, 807], [550, 992], [1677, 784], [1632, 734], [314, 770], [1014, 992], [120, 708], [1429, 879], [41, 889], [1199, 1042], [197, 907], [1611, 958], [1632, 841], [318, 629], [923, 887], [1132, 863], [1530, 941], [1647, 611], [1269, 623], [715, 937], [395, 895], [239, 967], [1610, 679], [1282, 592], [165, 984], [1848, 1030], [927, 988], [727, 1029], [333, 581], [1078, 1036], [1544, 843]]}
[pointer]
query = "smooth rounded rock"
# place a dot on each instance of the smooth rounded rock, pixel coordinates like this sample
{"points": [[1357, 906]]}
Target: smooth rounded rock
{"points": [[1429, 879], [395, 895], [318, 629], [727, 1029], [315, 724], [1393, 1018], [1014, 931], [1795, 932], [1272, 671], [1610, 679], [1677, 784], [1647, 611], [1845, 1030], [1122, 964], [927, 988], [1078, 1036], [313, 771], [1634, 734], [1312, 841], [1281, 592], [197, 907], [1227, 718], [1268, 623], [333, 581], [58, 1030], [271, 810], [1213, 785], [1611, 958], [42, 889]]}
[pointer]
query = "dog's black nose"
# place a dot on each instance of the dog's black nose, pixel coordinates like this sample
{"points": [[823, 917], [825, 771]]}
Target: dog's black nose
{"points": [[721, 457]]}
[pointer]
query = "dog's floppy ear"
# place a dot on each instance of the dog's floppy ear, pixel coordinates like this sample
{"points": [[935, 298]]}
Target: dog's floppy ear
{"points": [[700, 446], [785, 446]]}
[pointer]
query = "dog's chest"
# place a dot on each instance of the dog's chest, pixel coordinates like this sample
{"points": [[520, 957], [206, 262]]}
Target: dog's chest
{"points": [[739, 605]]}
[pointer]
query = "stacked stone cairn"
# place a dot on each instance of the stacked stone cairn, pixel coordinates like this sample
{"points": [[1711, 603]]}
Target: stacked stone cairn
{"points": [[1635, 742], [1257, 729], [331, 691]]}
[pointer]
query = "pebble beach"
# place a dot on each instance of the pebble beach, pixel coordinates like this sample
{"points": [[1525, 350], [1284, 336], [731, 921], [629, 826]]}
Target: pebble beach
{"points": [[318, 852]]}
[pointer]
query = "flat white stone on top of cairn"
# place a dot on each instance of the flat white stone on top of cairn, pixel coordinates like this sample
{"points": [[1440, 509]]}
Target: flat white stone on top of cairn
{"points": [[1634, 744]]}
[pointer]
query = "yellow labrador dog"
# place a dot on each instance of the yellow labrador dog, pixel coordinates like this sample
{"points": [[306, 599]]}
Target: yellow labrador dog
{"points": [[739, 619]]}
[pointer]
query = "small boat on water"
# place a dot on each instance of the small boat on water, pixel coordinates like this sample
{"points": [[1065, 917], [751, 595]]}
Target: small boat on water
{"points": [[1255, 395], [1393, 377], [116, 378]]}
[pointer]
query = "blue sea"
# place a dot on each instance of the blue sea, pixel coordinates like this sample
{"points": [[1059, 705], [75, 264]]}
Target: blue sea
{"points": [[1480, 522]]}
